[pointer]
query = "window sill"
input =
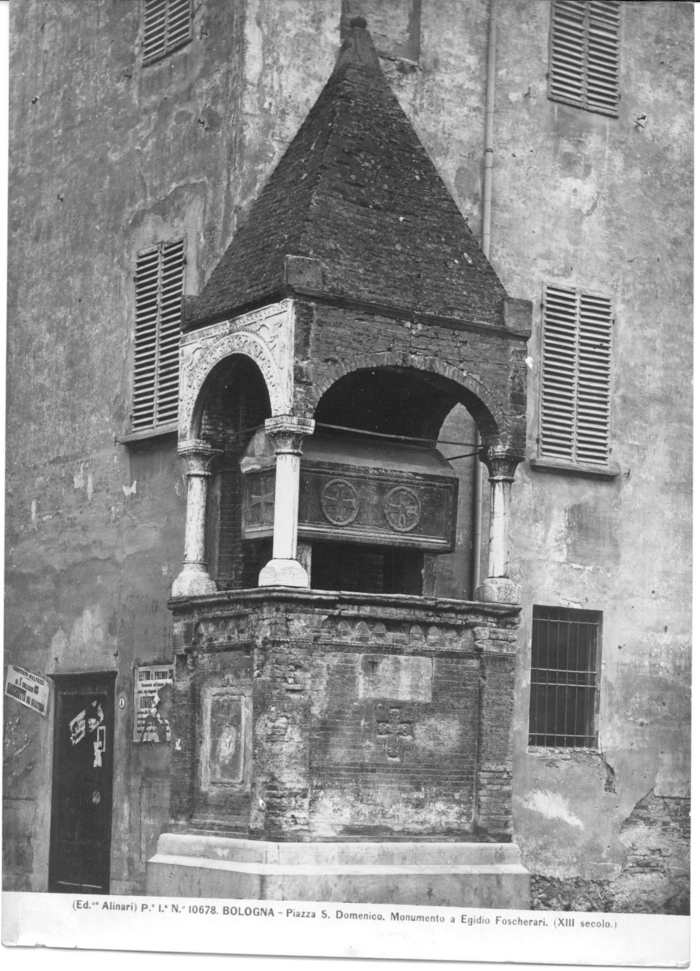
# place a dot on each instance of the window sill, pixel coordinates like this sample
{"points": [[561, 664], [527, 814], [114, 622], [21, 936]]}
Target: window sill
{"points": [[583, 106], [554, 751], [561, 467], [161, 56], [148, 433]]}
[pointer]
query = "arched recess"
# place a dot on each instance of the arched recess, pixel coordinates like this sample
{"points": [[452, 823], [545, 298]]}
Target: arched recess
{"points": [[447, 383], [414, 403], [234, 401], [270, 354]]}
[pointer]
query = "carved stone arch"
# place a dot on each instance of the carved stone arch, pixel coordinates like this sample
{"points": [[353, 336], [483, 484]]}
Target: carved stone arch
{"points": [[491, 418], [199, 364]]}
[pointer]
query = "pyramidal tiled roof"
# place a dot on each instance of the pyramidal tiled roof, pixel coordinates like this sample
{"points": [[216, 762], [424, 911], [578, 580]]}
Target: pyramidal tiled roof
{"points": [[356, 192]]}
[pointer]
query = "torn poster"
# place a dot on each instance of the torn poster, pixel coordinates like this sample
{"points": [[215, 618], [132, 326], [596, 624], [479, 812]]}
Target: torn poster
{"points": [[27, 688], [99, 746], [77, 727], [152, 703]]}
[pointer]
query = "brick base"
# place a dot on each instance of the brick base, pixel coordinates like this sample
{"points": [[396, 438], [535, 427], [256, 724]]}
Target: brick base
{"points": [[314, 716]]}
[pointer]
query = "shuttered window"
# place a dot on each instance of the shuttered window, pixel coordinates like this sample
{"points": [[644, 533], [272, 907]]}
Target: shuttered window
{"points": [[584, 54], [564, 677], [159, 287], [167, 25], [576, 376]]}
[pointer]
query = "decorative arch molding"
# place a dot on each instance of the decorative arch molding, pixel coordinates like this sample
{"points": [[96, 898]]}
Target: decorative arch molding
{"points": [[493, 414], [265, 336]]}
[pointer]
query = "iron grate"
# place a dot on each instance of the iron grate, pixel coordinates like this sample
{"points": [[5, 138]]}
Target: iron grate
{"points": [[564, 681]]}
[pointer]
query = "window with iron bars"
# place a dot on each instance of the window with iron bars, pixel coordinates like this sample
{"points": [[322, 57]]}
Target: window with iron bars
{"points": [[167, 25], [584, 54], [159, 283], [564, 681]]}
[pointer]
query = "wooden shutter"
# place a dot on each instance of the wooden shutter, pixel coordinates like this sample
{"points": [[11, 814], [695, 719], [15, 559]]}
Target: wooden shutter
{"points": [[159, 286], [576, 376], [167, 26], [584, 54]]}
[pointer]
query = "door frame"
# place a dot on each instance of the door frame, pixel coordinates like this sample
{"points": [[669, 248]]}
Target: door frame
{"points": [[83, 682]]}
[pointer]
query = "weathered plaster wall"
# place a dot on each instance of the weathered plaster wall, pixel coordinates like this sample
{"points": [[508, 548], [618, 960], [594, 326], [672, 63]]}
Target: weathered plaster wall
{"points": [[109, 156], [604, 204]]}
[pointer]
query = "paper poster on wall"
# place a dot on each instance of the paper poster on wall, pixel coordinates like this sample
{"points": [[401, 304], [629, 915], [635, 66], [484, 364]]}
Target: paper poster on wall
{"points": [[152, 703], [27, 688]]}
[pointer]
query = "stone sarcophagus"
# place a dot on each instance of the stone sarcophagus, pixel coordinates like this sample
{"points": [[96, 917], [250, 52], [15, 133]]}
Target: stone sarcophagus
{"points": [[357, 490]]}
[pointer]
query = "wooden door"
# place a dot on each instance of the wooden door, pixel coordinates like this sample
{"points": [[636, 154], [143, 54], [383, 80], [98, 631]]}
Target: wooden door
{"points": [[81, 805]]}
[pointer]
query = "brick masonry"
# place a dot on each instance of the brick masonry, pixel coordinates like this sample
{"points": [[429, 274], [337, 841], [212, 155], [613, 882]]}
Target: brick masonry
{"points": [[485, 371], [372, 717], [357, 194]]}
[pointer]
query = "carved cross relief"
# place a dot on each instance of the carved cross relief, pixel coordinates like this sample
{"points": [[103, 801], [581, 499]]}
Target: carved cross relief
{"points": [[394, 729], [262, 503]]}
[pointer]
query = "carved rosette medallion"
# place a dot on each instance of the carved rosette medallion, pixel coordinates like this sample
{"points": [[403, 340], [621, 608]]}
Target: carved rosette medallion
{"points": [[340, 502], [402, 509]]}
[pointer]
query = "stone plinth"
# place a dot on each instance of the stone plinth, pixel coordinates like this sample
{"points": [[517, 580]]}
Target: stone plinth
{"points": [[434, 874], [329, 718]]}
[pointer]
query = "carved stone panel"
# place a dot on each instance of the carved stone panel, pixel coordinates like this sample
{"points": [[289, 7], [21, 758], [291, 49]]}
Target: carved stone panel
{"points": [[395, 729], [396, 677], [225, 743], [369, 509], [266, 336]]}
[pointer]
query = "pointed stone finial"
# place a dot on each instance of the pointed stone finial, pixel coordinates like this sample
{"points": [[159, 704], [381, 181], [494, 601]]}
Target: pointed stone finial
{"points": [[357, 48]]}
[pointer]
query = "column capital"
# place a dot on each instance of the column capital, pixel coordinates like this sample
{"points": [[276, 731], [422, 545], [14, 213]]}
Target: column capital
{"points": [[288, 432], [499, 590], [500, 462], [199, 455]]}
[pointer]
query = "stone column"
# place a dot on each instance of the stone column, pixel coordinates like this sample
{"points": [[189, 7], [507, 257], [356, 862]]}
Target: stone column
{"points": [[284, 570], [498, 587], [194, 578]]}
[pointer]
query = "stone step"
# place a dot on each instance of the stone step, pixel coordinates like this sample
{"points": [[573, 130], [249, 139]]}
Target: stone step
{"points": [[435, 874], [337, 854]]}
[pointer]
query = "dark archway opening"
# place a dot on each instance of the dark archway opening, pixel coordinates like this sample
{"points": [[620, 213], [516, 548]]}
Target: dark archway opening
{"points": [[384, 400], [429, 411], [236, 403]]}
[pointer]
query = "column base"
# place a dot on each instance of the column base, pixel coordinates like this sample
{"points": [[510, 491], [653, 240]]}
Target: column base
{"points": [[432, 874], [193, 583], [499, 590], [284, 573]]}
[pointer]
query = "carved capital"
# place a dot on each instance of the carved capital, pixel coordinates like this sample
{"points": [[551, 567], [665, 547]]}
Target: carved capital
{"points": [[287, 433], [500, 463], [499, 590], [199, 455]]}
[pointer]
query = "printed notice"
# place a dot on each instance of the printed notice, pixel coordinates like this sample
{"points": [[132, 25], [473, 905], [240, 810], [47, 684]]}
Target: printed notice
{"points": [[27, 688], [324, 929], [152, 702]]}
